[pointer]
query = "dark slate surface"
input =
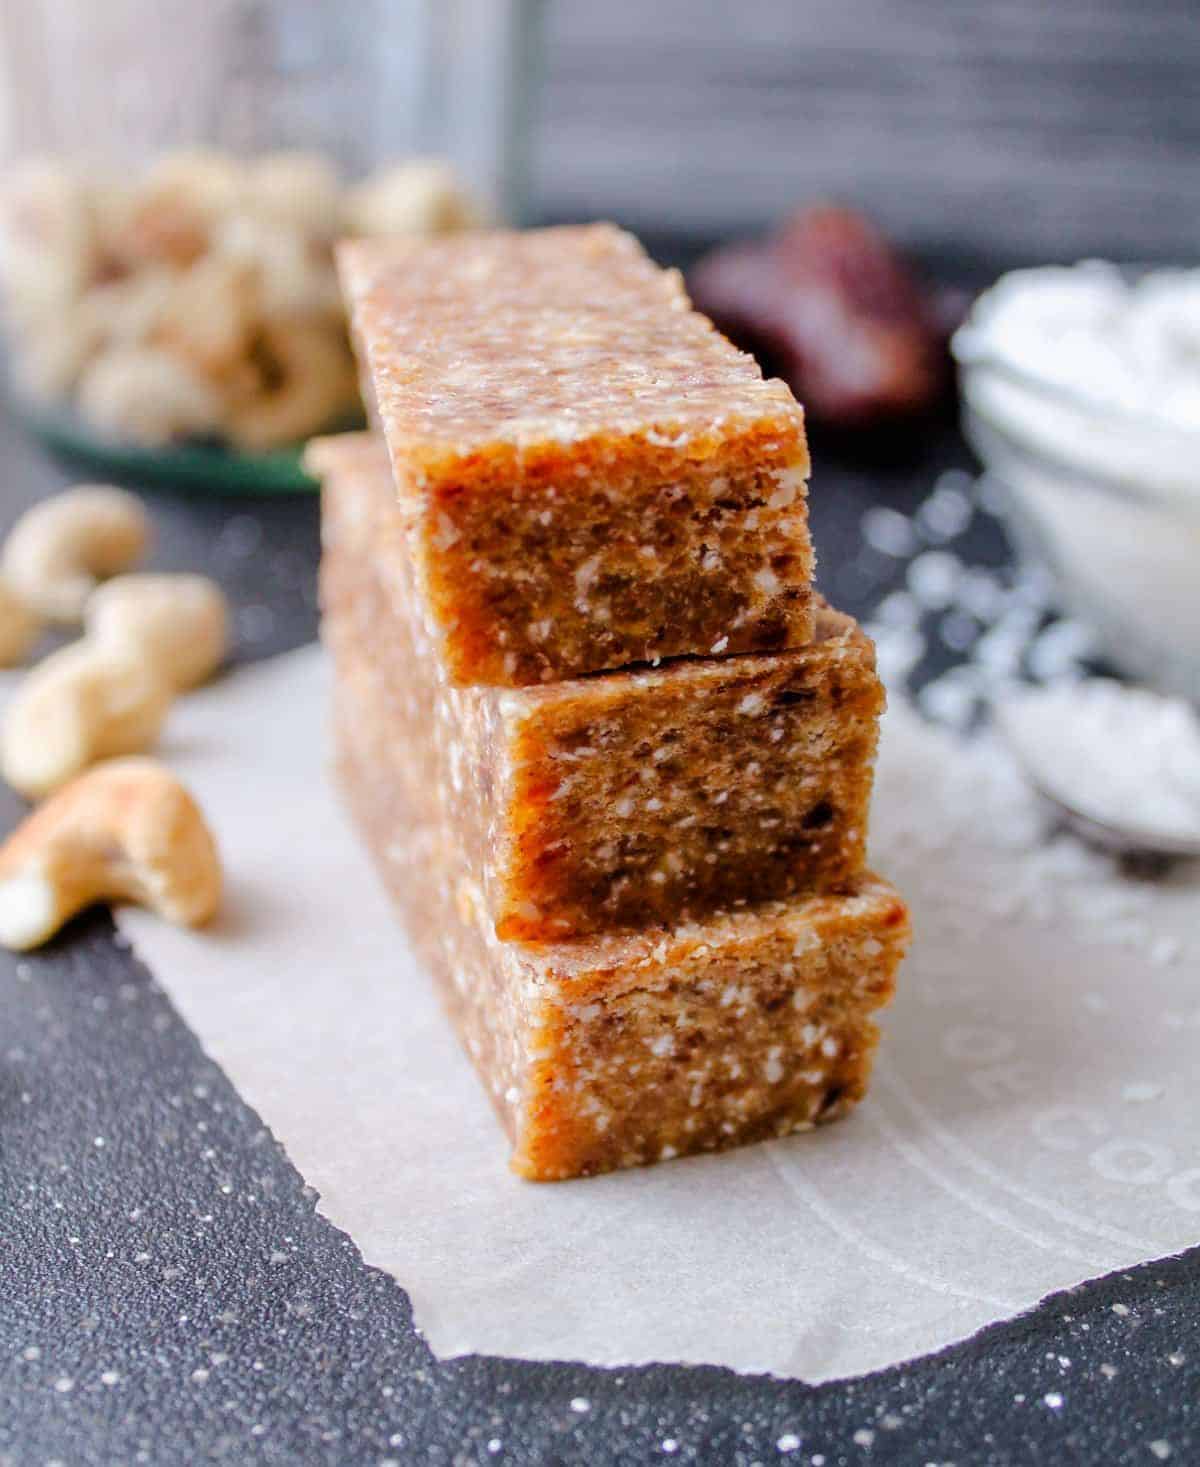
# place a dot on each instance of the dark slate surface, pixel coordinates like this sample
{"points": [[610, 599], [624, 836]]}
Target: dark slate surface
{"points": [[168, 1294]]}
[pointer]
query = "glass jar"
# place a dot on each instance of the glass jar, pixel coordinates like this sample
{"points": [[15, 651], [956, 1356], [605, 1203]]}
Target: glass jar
{"points": [[119, 82], [178, 175]]}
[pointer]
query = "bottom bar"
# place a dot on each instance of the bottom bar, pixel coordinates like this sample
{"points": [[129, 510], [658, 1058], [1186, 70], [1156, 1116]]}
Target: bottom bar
{"points": [[617, 1051]]}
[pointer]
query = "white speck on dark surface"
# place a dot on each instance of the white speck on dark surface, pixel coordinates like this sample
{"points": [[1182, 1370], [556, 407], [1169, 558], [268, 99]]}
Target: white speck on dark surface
{"points": [[240, 538], [898, 609], [254, 624], [947, 512], [959, 629], [933, 579], [889, 531]]}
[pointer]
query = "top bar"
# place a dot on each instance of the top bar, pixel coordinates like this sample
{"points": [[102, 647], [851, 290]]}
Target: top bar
{"points": [[593, 475]]}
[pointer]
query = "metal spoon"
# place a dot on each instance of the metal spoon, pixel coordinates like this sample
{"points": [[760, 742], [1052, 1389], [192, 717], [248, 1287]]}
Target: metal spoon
{"points": [[1144, 848], [1128, 839]]}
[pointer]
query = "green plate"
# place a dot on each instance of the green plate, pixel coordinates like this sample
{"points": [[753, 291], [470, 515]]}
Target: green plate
{"points": [[194, 467]]}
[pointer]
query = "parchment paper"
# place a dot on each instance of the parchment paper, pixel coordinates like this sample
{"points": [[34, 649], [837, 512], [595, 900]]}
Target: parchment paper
{"points": [[1032, 1122]]}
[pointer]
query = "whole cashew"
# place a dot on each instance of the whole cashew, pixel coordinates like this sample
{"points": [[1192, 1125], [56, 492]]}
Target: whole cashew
{"points": [[147, 394], [312, 382], [296, 191], [178, 623], [422, 196], [127, 831], [81, 704], [19, 627], [59, 549]]}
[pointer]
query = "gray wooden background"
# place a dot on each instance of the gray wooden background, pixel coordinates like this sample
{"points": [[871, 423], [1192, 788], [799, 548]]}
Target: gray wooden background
{"points": [[1026, 128]]}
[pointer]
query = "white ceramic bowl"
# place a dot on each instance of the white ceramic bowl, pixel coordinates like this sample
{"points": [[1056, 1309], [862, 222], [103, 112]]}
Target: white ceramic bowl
{"points": [[1106, 498]]}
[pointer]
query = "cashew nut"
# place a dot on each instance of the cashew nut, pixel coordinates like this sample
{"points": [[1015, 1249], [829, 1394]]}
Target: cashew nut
{"points": [[49, 360], [177, 623], [209, 315], [296, 191], [422, 196], [295, 277], [59, 549], [83, 703], [147, 394], [312, 381], [19, 627], [48, 247], [127, 831], [155, 302], [166, 217]]}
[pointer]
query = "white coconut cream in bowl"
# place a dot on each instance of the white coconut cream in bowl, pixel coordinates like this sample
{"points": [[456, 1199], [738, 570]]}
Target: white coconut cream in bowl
{"points": [[1081, 394]]}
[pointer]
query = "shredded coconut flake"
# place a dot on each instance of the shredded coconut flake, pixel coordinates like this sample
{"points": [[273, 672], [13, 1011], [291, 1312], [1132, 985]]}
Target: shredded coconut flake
{"points": [[1118, 755]]}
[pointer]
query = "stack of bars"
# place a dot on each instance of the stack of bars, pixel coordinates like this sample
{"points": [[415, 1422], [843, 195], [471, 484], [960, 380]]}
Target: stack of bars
{"points": [[610, 751]]}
